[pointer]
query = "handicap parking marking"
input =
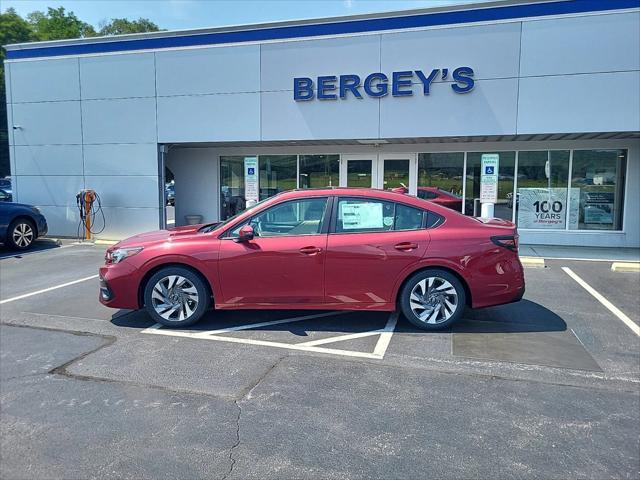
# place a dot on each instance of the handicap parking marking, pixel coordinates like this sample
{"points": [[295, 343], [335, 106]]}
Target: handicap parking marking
{"points": [[378, 353], [606, 303]]}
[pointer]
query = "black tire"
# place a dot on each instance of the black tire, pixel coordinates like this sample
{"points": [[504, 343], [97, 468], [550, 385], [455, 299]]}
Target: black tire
{"points": [[438, 295], [21, 234], [179, 297]]}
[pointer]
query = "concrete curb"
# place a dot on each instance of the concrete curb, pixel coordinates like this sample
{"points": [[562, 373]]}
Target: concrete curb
{"points": [[532, 262], [625, 266]]}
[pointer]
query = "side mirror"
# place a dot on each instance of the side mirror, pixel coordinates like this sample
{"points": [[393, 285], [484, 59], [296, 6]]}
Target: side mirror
{"points": [[245, 234]]}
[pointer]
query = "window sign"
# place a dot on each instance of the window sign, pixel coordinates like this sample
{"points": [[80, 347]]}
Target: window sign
{"points": [[489, 178], [360, 215], [251, 180], [546, 208]]}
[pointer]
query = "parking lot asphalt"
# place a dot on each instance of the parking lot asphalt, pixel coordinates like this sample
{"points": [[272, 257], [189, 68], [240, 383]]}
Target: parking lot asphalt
{"points": [[545, 388]]}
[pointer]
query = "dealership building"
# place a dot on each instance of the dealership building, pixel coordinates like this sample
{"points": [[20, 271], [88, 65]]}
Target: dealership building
{"points": [[549, 91]]}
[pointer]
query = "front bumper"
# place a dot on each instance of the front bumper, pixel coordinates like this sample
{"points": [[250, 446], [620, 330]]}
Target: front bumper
{"points": [[42, 226], [119, 286]]}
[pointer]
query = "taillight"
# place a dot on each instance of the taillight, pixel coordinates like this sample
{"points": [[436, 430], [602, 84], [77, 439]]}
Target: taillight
{"points": [[510, 242]]}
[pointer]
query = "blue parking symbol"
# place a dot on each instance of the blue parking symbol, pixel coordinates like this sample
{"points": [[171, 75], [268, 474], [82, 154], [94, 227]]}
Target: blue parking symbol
{"points": [[488, 170], [251, 171]]}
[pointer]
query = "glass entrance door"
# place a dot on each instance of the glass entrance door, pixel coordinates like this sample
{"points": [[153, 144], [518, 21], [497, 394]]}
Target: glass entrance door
{"points": [[385, 171]]}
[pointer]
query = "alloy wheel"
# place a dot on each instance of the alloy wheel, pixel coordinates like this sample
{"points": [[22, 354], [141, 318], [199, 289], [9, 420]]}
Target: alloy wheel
{"points": [[433, 300], [174, 298], [22, 235]]}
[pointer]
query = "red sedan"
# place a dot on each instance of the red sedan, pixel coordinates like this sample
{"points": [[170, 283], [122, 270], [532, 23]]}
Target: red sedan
{"points": [[435, 195], [328, 249]]}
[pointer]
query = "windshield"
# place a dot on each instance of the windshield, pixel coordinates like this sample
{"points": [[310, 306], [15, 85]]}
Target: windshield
{"points": [[213, 226]]}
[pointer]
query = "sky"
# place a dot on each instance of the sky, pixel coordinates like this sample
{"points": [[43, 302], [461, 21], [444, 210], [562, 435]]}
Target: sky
{"points": [[185, 14]]}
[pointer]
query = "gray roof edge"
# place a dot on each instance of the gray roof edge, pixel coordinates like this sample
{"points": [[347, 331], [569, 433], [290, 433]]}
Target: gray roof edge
{"points": [[258, 26]]}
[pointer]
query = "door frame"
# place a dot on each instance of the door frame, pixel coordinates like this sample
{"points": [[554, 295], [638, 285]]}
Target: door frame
{"points": [[377, 168]]}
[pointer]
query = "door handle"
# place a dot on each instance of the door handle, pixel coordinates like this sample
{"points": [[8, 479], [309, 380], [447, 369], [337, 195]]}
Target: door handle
{"points": [[406, 246], [310, 250]]}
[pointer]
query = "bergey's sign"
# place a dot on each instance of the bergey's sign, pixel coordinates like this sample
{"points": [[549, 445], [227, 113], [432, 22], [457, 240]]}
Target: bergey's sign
{"points": [[378, 84]]}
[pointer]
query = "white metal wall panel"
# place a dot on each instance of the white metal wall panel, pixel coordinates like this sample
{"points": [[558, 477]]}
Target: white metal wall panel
{"points": [[48, 160], [489, 109], [491, 50], [124, 222], [49, 123], [121, 159], [282, 62], [209, 118], [208, 70], [131, 120], [605, 102], [118, 76], [7, 82], [596, 43], [45, 80], [285, 119], [120, 191], [59, 191], [61, 221], [10, 123]]}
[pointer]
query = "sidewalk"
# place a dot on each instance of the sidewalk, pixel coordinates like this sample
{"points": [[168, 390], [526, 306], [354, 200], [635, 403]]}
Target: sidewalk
{"points": [[581, 253]]}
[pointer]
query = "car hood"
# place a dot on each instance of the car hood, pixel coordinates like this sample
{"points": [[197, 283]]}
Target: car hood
{"points": [[159, 236]]}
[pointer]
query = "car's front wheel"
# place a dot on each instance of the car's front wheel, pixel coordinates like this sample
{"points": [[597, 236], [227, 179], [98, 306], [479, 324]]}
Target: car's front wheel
{"points": [[21, 234], [433, 299], [176, 297]]}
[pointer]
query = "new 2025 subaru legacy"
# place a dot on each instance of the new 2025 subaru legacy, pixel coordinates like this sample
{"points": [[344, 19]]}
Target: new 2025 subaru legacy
{"points": [[327, 249]]}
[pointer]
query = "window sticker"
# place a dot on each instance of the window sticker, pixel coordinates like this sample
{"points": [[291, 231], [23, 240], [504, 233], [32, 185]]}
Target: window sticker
{"points": [[361, 215]]}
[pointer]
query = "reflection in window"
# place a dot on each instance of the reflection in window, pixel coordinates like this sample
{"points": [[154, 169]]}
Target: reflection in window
{"points": [[318, 171], [440, 176], [277, 174], [396, 174], [232, 199], [504, 206], [541, 201], [598, 177], [359, 173]]}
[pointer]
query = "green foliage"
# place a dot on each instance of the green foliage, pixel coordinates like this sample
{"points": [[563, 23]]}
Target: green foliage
{"points": [[122, 26], [55, 24]]}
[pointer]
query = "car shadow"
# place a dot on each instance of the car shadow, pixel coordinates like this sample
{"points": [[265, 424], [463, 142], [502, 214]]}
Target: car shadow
{"points": [[40, 245], [520, 317]]}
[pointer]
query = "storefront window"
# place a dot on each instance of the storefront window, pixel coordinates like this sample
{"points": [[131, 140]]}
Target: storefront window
{"points": [[277, 174], [359, 173], [506, 164], [440, 176], [318, 171], [541, 201], [598, 178], [232, 199], [396, 174]]}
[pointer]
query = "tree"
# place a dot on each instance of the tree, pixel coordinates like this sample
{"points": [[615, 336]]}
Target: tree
{"points": [[57, 24], [122, 26]]}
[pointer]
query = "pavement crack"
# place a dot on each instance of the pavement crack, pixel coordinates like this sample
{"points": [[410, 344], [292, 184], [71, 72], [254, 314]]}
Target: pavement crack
{"points": [[247, 391], [236, 444]]}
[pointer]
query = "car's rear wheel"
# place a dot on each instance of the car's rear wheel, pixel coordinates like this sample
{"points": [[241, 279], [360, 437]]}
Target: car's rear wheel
{"points": [[176, 297], [21, 234], [433, 299]]}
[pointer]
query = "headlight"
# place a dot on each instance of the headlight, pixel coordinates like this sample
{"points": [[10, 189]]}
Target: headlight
{"points": [[119, 254]]}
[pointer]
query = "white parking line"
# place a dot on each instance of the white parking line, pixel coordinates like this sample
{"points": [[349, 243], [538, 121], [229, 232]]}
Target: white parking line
{"points": [[44, 290], [610, 306], [380, 349]]}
